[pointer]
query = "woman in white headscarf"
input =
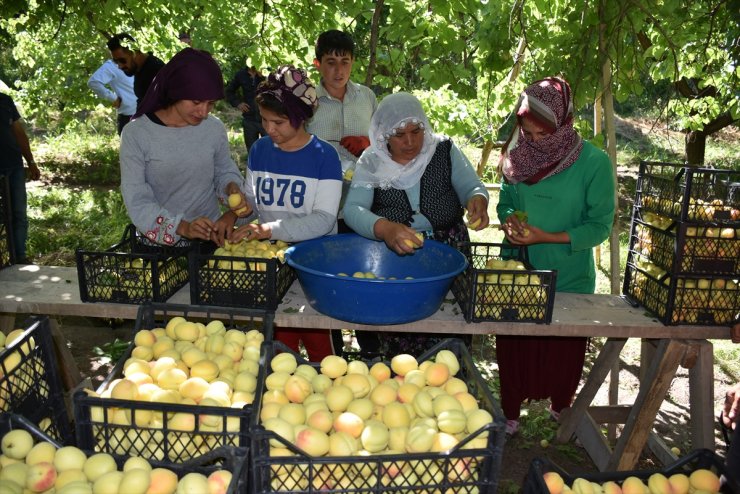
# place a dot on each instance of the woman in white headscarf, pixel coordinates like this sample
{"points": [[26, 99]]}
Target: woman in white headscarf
{"points": [[412, 180]]}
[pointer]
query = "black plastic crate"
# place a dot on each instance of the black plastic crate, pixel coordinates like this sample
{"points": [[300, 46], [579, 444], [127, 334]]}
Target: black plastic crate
{"points": [[697, 459], [706, 300], [501, 292], [685, 248], [7, 255], [476, 469], [232, 280], [701, 195], [133, 271], [222, 458], [182, 431], [30, 384]]}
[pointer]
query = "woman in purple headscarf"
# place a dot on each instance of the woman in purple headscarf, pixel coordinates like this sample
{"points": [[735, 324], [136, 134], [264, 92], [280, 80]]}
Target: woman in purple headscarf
{"points": [[565, 186], [175, 158]]}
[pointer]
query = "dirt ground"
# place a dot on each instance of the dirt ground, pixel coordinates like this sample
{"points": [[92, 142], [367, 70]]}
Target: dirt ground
{"points": [[83, 335]]}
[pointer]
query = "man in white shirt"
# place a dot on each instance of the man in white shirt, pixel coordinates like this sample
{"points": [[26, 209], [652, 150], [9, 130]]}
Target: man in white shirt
{"points": [[112, 85]]}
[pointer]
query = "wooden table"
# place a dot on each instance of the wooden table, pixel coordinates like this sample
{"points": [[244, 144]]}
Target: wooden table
{"points": [[54, 291]]}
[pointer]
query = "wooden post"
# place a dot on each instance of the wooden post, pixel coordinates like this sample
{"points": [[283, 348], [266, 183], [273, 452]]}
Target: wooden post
{"points": [[611, 149], [597, 131]]}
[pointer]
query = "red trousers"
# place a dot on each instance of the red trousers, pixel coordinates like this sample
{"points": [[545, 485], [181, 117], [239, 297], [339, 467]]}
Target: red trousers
{"points": [[536, 368], [316, 341]]}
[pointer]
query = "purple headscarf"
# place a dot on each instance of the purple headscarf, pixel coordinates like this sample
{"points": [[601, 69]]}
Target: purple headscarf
{"points": [[291, 87], [190, 74]]}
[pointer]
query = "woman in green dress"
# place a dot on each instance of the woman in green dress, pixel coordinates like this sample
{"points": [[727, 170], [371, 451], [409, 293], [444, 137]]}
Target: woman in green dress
{"points": [[566, 188]]}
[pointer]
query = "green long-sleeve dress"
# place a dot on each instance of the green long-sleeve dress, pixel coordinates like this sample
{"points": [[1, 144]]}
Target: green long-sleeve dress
{"points": [[580, 201]]}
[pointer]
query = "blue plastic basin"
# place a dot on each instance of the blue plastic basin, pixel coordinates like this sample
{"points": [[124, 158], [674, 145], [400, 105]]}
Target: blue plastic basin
{"points": [[318, 263]]}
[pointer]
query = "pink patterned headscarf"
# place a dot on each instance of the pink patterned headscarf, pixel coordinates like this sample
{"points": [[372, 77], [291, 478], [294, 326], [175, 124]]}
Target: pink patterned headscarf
{"points": [[291, 87], [548, 103]]}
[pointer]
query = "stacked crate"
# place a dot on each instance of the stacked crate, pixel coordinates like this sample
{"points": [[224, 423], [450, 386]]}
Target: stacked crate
{"points": [[172, 426], [684, 251], [30, 384]]}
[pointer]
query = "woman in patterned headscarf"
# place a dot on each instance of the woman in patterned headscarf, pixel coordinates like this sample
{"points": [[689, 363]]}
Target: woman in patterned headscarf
{"points": [[175, 158], [412, 180], [566, 188], [294, 180]]}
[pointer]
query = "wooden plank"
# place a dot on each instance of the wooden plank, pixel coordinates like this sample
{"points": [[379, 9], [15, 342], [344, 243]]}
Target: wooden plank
{"points": [[68, 369], [647, 354], [593, 442], [610, 414], [660, 449], [570, 418], [54, 290], [652, 393], [611, 433], [7, 323], [701, 396]]}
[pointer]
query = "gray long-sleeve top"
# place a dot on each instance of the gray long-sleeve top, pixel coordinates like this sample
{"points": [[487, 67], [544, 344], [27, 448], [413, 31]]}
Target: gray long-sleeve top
{"points": [[170, 174]]}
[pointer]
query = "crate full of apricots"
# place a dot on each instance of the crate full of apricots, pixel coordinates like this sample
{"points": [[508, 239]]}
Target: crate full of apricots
{"points": [[133, 271], [685, 248], [37, 463], [704, 196], [30, 383], [699, 471], [250, 274], [410, 424], [184, 386], [705, 300], [500, 285]]}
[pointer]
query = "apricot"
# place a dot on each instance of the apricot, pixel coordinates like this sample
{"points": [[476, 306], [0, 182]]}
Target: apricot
{"points": [[321, 419], [362, 407], [437, 374], [358, 383], [402, 363], [333, 366], [374, 436], [342, 444], [312, 441], [554, 482], [633, 485], [395, 414], [443, 442], [415, 376], [407, 391], [680, 483], [611, 487], [338, 397], [450, 359], [293, 413], [383, 394], [297, 388], [704, 480], [380, 371], [350, 423], [284, 362]]}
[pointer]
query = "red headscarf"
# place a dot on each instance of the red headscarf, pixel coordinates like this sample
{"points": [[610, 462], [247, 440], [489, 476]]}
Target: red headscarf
{"points": [[548, 103], [190, 74]]}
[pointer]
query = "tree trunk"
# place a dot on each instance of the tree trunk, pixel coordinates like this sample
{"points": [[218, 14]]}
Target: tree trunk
{"points": [[487, 148], [696, 143], [373, 42]]}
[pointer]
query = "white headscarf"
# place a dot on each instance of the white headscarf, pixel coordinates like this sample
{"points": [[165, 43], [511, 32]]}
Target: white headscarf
{"points": [[376, 168]]}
